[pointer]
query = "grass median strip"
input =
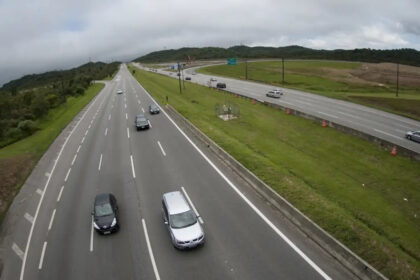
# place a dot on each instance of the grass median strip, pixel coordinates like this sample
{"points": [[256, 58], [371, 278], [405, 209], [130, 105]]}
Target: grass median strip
{"points": [[18, 159], [367, 199]]}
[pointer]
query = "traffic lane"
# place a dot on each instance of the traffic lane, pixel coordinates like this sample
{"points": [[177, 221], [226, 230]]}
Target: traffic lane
{"points": [[176, 169], [58, 178], [66, 251]]}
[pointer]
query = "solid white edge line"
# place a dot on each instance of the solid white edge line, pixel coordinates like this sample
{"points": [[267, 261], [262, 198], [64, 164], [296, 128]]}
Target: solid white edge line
{"points": [[41, 260], [59, 194], [74, 159], [192, 205], [149, 247], [91, 238], [28, 242], [329, 115], [386, 133], [51, 220], [253, 207], [100, 163], [67, 176], [132, 166], [128, 133], [163, 151]]}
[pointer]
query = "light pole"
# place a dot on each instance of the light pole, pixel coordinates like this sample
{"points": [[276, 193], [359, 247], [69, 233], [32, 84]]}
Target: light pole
{"points": [[179, 79], [398, 79]]}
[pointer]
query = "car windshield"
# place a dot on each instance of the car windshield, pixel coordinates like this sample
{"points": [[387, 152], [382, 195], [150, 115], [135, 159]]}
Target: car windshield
{"points": [[141, 119], [182, 220], [103, 210]]}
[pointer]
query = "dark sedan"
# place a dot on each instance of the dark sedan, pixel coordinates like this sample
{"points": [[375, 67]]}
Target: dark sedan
{"points": [[221, 85], [154, 109], [105, 213], [141, 122]]}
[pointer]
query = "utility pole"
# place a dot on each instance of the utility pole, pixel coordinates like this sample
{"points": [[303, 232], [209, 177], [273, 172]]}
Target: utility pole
{"points": [[179, 78], [282, 72], [398, 79], [246, 69]]}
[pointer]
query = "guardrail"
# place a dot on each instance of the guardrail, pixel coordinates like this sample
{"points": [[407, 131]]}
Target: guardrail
{"points": [[344, 255]]}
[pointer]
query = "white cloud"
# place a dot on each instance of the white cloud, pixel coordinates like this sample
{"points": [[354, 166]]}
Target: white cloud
{"points": [[48, 34]]}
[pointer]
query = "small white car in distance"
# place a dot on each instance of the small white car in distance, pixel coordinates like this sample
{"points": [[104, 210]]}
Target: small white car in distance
{"points": [[275, 93], [119, 91], [213, 79]]}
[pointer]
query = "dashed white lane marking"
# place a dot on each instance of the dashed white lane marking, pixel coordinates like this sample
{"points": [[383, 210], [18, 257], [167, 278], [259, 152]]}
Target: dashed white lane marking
{"points": [[109, 117], [87, 131], [74, 159], [142, 109], [67, 175], [386, 133], [18, 251], [51, 220], [83, 139], [78, 149], [132, 167], [126, 116], [138, 101], [39, 191], [59, 194], [125, 105], [128, 133], [100, 163], [91, 238], [160, 146], [29, 218], [192, 205], [244, 198], [41, 260], [89, 127], [106, 131], [326, 114], [149, 247], [150, 125]]}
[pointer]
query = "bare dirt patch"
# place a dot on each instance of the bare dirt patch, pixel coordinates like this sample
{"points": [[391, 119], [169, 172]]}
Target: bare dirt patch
{"points": [[13, 171]]}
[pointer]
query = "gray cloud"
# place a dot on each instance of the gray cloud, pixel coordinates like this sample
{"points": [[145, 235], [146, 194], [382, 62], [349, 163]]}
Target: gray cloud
{"points": [[47, 34]]}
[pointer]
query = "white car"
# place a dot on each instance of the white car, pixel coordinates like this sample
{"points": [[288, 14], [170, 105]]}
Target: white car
{"points": [[275, 93], [119, 91], [213, 80]]}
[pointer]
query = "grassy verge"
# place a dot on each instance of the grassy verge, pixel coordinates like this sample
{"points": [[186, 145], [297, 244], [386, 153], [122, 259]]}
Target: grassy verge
{"points": [[342, 80], [367, 199], [19, 158]]}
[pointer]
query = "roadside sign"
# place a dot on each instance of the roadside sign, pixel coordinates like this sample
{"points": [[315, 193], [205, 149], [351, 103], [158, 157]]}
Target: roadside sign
{"points": [[231, 61]]}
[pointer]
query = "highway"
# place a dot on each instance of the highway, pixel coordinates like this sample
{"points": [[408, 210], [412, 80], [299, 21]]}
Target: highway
{"points": [[383, 125], [48, 233]]}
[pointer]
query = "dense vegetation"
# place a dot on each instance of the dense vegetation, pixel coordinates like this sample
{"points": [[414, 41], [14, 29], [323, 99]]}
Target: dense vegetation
{"points": [[26, 100], [403, 56]]}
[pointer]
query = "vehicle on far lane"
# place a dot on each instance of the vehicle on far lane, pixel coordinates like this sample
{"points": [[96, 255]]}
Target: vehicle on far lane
{"points": [[188, 78], [154, 109], [213, 79], [141, 122], [105, 213], [221, 85], [275, 93], [181, 221], [119, 91], [413, 135]]}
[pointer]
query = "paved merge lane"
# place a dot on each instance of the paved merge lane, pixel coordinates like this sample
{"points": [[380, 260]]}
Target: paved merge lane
{"points": [[106, 154], [383, 125]]}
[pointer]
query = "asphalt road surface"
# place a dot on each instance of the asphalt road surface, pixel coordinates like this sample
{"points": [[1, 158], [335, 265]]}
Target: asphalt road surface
{"points": [[383, 125], [48, 234]]}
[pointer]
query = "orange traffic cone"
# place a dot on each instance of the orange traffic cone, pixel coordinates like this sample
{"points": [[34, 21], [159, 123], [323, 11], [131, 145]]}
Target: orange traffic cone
{"points": [[324, 123], [236, 95], [287, 111], [394, 151], [253, 101]]}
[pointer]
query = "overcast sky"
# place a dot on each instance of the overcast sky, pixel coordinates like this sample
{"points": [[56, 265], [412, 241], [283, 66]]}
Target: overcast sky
{"points": [[42, 35]]}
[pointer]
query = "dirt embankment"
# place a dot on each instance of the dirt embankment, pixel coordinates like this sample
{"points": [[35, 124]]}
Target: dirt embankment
{"points": [[12, 173]]}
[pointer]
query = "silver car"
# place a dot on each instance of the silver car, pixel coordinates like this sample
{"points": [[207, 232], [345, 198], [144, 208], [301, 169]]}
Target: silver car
{"points": [[413, 135], [275, 93], [181, 220]]}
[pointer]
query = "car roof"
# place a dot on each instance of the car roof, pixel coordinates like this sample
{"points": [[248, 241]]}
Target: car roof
{"points": [[102, 198], [140, 116], [176, 203]]}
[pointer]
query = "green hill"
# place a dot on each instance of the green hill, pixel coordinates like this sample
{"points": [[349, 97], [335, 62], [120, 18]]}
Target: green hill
{"points": [[403, 56]]}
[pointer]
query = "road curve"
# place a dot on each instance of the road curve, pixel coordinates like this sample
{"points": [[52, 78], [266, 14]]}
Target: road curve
{"points": [[47, 234]]}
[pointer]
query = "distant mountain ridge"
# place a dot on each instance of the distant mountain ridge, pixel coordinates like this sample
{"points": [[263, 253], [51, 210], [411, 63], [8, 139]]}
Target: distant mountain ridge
{"points": [[403, 56]]}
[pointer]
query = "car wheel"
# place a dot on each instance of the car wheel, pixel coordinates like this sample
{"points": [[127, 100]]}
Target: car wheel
{"points": [[408, 137]]}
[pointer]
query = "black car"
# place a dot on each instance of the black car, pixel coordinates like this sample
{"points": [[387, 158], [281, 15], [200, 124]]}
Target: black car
{"points": [[105, 214], [221, 85], [188, 78], [141, 122], [154, 109]]}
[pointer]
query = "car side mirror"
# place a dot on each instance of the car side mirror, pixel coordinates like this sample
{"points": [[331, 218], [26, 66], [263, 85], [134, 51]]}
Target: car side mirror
{"points": [[92, 213]]}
